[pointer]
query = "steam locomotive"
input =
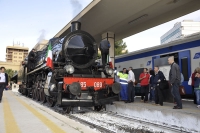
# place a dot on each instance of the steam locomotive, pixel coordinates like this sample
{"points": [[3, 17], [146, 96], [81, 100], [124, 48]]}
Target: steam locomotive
{"points": [[75, 80]]}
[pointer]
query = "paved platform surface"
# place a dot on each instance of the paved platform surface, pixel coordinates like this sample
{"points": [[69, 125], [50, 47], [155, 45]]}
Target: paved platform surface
{"points": [[19, 114], [186, 119]]}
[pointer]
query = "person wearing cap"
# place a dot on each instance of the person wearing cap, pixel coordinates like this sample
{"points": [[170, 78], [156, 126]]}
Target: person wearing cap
{"points": [[3, 81], [104, 48]]}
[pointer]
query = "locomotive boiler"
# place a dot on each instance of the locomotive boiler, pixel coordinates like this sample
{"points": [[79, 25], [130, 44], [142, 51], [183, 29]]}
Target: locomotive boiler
{"points": [[74, 80]]}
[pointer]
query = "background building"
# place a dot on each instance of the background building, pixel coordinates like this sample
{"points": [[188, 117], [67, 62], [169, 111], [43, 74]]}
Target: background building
{"points": [[14, 56], [16, 53], [180, 29]]}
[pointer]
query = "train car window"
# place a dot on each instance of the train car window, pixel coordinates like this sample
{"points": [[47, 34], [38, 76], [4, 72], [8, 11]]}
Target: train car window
{"points": [[184, 66], [172, 54]]}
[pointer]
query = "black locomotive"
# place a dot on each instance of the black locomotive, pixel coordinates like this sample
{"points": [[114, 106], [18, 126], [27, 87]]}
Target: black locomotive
{"points": [[74, 79]]}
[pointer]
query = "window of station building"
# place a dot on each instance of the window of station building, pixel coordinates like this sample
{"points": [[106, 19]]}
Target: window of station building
{"points": [[20, 53], [170, 35], [15, 56], [20, 57]]}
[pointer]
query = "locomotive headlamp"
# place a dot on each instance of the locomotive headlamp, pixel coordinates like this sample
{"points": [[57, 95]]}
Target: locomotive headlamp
{"points": [[109, 71], [69, 69], [52, 87]]}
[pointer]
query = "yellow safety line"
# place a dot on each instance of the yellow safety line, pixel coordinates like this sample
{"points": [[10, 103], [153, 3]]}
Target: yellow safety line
{"points": [[10, 123], [54, 128]]}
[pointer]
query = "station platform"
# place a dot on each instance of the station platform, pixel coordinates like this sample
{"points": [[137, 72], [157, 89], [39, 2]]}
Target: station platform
{"points": [[186, 119], [19, 114]]}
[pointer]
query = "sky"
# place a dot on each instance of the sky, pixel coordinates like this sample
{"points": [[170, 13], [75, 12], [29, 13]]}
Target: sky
{"points": [[27, 22]]}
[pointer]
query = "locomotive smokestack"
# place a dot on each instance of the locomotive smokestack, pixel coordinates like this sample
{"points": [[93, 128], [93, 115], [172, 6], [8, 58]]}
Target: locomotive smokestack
{"points": [[75, 25]]}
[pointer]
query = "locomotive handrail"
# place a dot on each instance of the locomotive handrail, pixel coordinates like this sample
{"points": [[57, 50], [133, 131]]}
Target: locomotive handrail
{"points": [[44, 65]]}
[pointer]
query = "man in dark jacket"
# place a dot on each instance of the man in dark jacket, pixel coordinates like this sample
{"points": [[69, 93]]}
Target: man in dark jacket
{"points": [[159, 76], [3, 81], [175, 80], [104, 48]]}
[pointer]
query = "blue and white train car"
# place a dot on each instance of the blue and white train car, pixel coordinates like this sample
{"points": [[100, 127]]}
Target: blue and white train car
{"points": [[186, 52]]}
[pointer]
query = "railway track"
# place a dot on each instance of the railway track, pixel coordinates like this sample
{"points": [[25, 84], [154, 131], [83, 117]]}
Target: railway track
{"points": [[92, 125], [119, 123]]}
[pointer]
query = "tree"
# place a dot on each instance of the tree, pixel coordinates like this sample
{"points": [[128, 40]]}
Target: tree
{"points": [[10, 73], [120, 48]]}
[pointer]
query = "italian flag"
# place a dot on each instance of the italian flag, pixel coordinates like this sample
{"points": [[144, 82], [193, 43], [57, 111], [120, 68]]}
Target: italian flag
{"points": [[49, 61], [110, 63]]}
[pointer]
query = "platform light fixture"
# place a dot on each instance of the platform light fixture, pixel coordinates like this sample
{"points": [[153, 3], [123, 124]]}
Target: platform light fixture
{"points": [[137, 19]]}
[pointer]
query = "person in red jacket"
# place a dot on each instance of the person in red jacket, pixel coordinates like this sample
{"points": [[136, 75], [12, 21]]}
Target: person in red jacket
{"points": [[144, 82], [193, 77]]}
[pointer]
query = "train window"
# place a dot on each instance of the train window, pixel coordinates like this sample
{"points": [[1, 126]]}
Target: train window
{"points": [[171, 54], [184, 66]]}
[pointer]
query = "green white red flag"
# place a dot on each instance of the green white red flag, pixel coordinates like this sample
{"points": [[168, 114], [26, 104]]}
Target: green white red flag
{"points": [[110, 63], [49, 62]]}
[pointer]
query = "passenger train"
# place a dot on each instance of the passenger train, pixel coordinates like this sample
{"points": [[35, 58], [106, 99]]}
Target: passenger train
{"points": [[186, 52], [75, 80]]}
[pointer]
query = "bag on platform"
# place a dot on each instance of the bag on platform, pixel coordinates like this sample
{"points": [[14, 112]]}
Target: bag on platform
{"points": [[164, 85]]}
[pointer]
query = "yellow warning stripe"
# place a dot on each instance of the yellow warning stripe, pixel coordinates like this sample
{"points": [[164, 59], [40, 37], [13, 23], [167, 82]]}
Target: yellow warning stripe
{"points": [[52, 126], [10, 123]]}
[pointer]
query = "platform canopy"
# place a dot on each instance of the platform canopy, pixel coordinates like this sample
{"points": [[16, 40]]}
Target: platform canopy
{"points": [[128, 17]]}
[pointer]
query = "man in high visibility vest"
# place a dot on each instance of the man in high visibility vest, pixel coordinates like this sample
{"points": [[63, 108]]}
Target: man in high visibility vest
{"points": [[123, 76]]}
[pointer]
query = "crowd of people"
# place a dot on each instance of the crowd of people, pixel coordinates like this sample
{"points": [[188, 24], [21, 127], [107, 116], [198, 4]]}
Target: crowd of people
{"points": [[153, 83]]}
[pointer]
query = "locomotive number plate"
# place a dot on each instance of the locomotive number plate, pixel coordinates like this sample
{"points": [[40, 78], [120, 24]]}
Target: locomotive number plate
{"points": [[83, 84], [97, 84]]}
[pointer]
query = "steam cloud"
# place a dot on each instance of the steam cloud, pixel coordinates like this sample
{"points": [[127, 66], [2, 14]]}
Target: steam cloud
{"points": [[42, 35], [77, 7]]}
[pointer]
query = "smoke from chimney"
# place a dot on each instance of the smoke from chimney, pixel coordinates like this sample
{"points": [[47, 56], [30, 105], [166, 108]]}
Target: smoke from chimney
{"points": [[42, 35], [77, 7]]}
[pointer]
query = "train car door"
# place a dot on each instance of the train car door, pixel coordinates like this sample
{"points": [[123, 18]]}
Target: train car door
{"points": [[153, 58], [185, 67]]}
